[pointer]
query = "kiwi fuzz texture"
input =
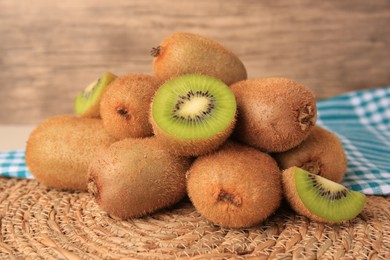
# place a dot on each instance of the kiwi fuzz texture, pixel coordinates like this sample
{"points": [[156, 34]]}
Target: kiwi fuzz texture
{"points": [[87, 103], [193, 114], [60, 149], [274, 114], [291, 194], [320, 153], [125, 105], [135, 177], [296, 194], [187, 53], [237, 186]]}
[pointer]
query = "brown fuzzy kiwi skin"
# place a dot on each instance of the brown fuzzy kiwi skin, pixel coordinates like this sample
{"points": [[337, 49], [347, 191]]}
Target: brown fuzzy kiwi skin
{"points": [[274, 114], [320, 153], [60, 149], [235, 187], [124, 107], [291, 195], [135, 177], [194, 147], [187, 53]]}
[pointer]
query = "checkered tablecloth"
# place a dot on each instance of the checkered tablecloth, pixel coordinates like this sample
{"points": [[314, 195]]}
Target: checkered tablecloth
{"points": [[362, 122], [360, 119], [12, 164]]}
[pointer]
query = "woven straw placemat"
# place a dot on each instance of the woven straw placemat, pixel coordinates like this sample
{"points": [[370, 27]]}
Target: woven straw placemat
{"points": [[38, 222]]}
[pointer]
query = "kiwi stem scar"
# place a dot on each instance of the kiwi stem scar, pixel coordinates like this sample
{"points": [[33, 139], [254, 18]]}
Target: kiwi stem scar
{"points": [[122, 112], [92, 188], [230, 198], [306, 117], [312, 166], [155, 51], [325, 191]]}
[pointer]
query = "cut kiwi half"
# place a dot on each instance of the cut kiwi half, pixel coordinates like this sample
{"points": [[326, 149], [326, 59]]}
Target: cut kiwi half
{"points": [[87, 103], [193, 114], [320, 199]]}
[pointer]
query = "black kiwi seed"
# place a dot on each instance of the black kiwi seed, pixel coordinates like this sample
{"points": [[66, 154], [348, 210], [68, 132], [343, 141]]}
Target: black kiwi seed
{"points": [[320, 199], [327, 193], [193, 114], [190, 94]]}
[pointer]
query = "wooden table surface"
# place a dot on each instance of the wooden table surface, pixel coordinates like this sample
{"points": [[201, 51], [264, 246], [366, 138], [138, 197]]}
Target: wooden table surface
{"points": [[51, 49]]}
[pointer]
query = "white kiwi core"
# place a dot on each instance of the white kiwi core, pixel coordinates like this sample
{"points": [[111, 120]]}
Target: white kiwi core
{"points": [[330, 185], [193, 107], [88, 90]]}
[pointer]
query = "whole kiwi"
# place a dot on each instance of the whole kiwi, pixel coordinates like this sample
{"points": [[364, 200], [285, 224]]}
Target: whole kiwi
{"points": [[274, 114], [320, 153], [135, 177], [60, 149], [187, 53], [237, 186], [125, 105]]}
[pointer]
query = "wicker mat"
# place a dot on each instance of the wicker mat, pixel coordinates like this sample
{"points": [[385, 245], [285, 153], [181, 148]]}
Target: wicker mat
{"points": [[37, 222]]}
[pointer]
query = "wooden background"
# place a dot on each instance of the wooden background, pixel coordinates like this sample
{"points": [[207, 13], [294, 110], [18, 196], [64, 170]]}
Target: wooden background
{"points": [[51, 49]]}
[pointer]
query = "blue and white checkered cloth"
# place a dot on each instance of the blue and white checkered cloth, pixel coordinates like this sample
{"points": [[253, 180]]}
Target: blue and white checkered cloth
{"points": [[360, 119], [362, 122], [12, 164]]}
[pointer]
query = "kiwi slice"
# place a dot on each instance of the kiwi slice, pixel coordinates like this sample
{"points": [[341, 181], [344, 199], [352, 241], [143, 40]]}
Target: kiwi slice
{"points": [[193, 114], [236, 186], [87, 103], [320, 153], [320, 199]]}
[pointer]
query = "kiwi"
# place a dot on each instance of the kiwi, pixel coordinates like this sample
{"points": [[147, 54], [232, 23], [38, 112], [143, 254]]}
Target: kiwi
{"points": [[320, 153], [87, 103], [274, 114], [235, 187], [320, 199], [193, 114], [186, 53], [135, 176], [125, 106], [60, 149]]}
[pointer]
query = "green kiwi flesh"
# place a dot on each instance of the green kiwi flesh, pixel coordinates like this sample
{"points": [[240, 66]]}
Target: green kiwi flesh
{"points": [[135, 177], [321, 199], [193, 114], [237, 186], [87, 103]]}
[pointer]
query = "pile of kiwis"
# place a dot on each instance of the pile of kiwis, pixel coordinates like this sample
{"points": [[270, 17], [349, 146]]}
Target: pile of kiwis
{"points": [[196, 127]]}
